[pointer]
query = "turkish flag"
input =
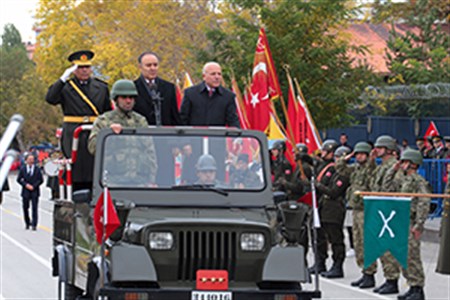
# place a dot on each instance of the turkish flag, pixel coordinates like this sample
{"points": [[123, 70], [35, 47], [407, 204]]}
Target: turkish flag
{"points": [[178, 95], [109, 221], [431, 131], [312, 138], [264, 87], [293, 117]]}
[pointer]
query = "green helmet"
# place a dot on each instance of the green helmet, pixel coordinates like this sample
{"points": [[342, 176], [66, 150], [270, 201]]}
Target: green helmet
{"points": [[413, 156], [342, 151], [386, 141], [362, 147], [123, 87], [302, 148], [329, 146], [206, 162]]}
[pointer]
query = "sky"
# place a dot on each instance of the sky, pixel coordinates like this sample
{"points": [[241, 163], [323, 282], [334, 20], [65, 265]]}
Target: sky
{"points": [[20, 13]]}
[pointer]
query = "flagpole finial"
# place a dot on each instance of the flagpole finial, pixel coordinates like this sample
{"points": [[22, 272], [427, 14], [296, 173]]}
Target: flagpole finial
{"points": [[287, 67], [105, 178]]}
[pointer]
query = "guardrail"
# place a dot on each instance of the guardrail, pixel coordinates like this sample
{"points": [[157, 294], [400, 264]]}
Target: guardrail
{"points": [[435, 171]]}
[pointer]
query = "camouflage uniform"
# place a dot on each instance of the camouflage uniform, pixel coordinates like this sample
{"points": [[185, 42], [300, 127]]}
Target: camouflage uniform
{"points": [[443, 264], [420, 206], [360, 175], [391, 268], [133, 120]]}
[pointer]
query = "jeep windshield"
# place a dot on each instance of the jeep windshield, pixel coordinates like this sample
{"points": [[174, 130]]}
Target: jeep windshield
{"points": [[183, 162]]}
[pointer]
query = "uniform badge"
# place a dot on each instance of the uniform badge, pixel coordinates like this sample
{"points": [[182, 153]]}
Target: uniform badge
{"points": [[328, 174], [287, 172], [83, 57], [339, 183]]}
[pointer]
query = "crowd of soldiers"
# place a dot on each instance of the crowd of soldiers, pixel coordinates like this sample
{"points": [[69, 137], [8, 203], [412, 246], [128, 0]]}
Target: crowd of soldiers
{"points": [[336, 182]]}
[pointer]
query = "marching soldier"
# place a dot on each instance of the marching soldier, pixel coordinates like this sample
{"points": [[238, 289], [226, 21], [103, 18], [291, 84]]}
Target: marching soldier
{"points": [[280, 167], [385, 147], [361, 173], [82, 98], [443, 264], [412, 183]]}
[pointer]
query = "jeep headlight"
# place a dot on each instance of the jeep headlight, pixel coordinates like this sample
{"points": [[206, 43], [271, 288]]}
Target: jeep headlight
{"points": [[252, 241], [160, 240]]}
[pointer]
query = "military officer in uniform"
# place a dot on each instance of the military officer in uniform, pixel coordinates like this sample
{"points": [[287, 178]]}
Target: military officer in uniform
{"points": [[82, 98], [385, 146], [360, 175], [279, 166], [124, 94], [443, 264], [412, 182]]}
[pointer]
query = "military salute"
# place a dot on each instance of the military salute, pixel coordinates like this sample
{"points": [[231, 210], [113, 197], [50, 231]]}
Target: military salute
{"points": [[82, 98]]}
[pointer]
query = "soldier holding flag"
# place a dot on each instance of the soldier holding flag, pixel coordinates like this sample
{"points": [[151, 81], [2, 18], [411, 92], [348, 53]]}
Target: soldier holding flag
{"points": [[412, 182]]}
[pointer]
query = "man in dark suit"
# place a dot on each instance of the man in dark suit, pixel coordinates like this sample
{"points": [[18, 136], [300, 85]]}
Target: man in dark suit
{"points": [[30, 178], [208, 103], [148, 85], [82, 98]]}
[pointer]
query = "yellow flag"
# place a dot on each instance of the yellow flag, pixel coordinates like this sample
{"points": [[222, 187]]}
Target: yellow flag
{"points": [[274, 132], [187, 81]]}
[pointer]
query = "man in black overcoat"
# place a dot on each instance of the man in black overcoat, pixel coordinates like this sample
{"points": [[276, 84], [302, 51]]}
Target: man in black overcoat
{"points": [[30, 178], [82, 99]]}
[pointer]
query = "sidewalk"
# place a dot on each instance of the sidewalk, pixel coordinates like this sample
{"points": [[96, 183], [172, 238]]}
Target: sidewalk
{"points": [[431, 232]]}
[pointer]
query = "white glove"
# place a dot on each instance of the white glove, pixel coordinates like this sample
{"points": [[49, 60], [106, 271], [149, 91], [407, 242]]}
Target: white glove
{"points": [[67, 73]]}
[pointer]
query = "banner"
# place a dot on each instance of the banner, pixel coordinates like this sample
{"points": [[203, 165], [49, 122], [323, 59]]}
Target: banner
{"points": [[108, 219], [386, 228]]}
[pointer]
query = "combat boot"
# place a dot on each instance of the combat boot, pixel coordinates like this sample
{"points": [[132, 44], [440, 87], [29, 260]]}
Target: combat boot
{"points": [[405, 295], [367, 282], [320, 267], [416, 293], [357, 282], [377, 289], [391, 287], [335, 271]]}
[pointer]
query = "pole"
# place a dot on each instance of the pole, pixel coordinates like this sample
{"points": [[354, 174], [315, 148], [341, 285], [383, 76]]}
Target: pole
{"points": [[316, 224], [105, 220], [392, 194], [10, 132]]}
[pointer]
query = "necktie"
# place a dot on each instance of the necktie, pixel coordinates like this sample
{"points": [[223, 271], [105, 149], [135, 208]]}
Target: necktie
{"points": [[210, 92]]}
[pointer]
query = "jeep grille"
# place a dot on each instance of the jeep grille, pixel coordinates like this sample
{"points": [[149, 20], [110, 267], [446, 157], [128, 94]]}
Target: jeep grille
{"points": [[208, 250]]}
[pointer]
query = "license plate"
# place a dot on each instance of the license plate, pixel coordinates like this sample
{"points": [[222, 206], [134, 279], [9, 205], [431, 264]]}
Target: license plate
{"points": [[208, 295]]}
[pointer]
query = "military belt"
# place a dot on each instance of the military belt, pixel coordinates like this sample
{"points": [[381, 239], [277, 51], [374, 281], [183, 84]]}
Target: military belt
{"points": [[79, 119]]}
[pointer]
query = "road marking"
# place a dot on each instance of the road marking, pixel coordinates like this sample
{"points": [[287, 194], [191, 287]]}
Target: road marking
{"points": [[19, 200], [341, 285], [10, 212], [43, 261]]}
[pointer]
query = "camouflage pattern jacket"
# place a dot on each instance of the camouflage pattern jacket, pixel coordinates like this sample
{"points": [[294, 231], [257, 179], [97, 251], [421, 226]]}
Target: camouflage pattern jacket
{"points": [[413, 183], [377, 183], [360, 176]]}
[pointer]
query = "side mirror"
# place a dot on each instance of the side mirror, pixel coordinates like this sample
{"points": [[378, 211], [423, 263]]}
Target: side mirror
{"points": [[279, 197], [81, 196]]}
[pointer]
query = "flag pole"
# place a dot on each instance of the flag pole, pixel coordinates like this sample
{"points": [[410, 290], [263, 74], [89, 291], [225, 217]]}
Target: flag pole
{"points": [[105, 220], [392, 194], [316, 224]]}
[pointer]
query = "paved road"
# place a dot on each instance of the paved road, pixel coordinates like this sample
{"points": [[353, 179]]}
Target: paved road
{"points": [[25, 270]]}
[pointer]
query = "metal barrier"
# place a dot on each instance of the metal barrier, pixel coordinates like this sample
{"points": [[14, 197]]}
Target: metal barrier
{"points": [[434, 171]]}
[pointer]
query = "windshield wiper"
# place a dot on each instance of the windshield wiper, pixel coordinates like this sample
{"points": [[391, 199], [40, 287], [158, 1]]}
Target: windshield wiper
{"points": [[203, 187]]}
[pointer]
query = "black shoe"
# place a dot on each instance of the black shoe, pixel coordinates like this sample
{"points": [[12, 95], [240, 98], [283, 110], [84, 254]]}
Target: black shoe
{"points": [[27, 227], [357, 282], [391, 287], [335, 271], [321, 268], [33, 228], [403, 296], [416, 293], [377, 289], [368, 281]]}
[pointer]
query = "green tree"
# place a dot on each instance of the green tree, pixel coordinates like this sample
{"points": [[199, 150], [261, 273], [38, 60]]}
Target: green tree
{"points": [[421, 55], [302, 34], [22, 91]]}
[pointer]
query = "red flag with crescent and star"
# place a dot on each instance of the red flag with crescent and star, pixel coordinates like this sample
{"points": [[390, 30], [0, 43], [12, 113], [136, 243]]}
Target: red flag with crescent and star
{"points": [[105, 222], [264, 87]]}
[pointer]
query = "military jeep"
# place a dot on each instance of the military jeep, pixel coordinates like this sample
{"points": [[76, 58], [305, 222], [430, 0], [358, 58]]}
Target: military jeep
{"points": [[198, 220]]}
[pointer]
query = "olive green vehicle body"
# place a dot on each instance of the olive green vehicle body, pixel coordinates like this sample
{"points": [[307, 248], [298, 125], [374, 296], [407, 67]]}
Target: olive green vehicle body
{"points": [[206, 226]]}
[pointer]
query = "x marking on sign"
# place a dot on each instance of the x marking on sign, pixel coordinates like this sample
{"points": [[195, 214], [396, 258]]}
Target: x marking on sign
{"points": [[386, 225]]}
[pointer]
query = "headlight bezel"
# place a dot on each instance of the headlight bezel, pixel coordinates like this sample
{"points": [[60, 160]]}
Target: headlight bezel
{"points": [[252, 241], [161, 240]]}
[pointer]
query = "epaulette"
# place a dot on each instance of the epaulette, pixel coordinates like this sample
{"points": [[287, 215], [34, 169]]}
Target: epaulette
{"points": [[99, 80]]}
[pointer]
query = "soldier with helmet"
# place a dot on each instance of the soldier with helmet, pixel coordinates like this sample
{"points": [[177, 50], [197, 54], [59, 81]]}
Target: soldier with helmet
{"points": [[124, 94], [206, 170], [82, 98], [412, 182], [280, 167], [360, 175], [331, 187], [384, 148]]}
